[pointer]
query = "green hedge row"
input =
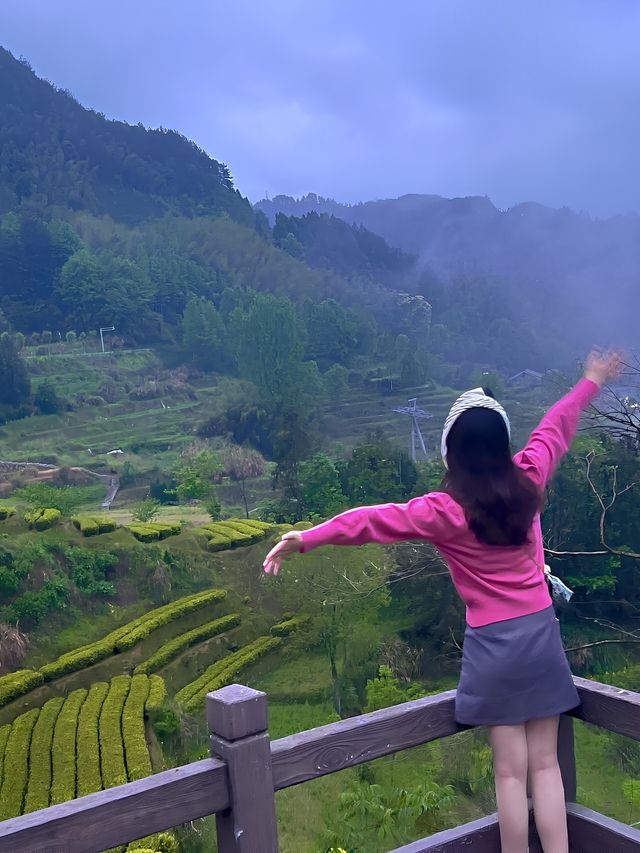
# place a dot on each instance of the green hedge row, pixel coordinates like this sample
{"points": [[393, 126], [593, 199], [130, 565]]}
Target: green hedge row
{"points": [[174, 647], [283, 629], [39, 784], [128, 635], [89, 777], [16, 765], [93, 525], [135, 743], [163, 842], [114, 771], [157, 694], [223, 672], [142, 627], [42, 518], [18, 683], [151, 531], [6, 512], [4, 737], [234, 533], [63, 749]]}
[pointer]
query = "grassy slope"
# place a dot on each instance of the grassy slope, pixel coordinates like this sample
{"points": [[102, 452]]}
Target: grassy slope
{"points": [[152, 433], [300, 687]]}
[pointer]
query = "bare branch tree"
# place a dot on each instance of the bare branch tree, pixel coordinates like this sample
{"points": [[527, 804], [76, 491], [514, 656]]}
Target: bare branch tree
{"points": [[606, 503]]}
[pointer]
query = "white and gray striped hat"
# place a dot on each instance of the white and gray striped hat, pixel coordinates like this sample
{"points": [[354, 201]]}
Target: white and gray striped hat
{"points": [[476, 398]]}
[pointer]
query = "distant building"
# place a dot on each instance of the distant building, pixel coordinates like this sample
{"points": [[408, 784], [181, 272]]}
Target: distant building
{"points": [[526, 379]]}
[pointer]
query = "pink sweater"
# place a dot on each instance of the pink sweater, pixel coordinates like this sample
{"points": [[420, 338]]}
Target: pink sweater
{"points": [[495, 582]]}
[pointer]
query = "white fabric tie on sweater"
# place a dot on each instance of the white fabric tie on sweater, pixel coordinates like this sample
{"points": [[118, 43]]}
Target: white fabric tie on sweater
{"points": [[476, 398]]}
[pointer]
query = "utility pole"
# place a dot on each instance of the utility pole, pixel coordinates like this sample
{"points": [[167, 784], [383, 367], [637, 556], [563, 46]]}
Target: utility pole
{"points": [[105, 329], [416, 414]]}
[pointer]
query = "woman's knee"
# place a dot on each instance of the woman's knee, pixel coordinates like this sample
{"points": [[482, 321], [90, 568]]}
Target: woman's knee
{"points": [[542, 760], [509, 744], [510, 766]]}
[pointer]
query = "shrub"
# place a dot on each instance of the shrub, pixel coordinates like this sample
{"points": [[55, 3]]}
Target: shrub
{"points": [[223, 672], [157, 694], [133, 735], [141, 628], [126, 636], [152, 531], [78, 658], [238, 540], [242, 529], [216, 542], [4, 737], [146, 510], [234, 533], [43, 518], [163, 842], [92, 525], [18, 683], [143, 532], [63, 749], [283, 629], [203, 632], [114, 771], [16, 765], [6, 512], [88, 743], [40, 764]]}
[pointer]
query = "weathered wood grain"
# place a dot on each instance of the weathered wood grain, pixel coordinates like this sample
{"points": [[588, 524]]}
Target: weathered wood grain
{"points": [[479, 836], [249, 825], [117, 815], [241, 791], [611, 708], [235, 711], [327, 749], [591, 832]]}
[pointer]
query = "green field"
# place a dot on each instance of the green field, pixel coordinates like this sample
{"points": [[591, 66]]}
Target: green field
{"points": [[152, 431]]}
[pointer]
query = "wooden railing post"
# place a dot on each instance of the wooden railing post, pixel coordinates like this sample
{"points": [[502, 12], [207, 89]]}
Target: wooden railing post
{"points": [[237, 718], [567, 758]]}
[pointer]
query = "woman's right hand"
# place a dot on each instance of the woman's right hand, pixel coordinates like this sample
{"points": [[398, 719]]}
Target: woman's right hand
{"points": [[291, 543], [602, 367]]}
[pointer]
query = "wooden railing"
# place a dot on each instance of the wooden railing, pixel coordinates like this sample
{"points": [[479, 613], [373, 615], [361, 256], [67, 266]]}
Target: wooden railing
{"points": [[238, 783]]}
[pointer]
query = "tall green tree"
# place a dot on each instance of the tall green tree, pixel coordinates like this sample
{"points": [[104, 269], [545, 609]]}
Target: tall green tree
{"points": [[203, 333], [14, 379], [270, 347], [195, 474], [99, 289], [321, 491], [378, 472]]}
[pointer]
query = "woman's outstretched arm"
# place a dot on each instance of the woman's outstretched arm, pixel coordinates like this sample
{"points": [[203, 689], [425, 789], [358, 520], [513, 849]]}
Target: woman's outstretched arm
{"points": [[430, 517], [553, 436]]}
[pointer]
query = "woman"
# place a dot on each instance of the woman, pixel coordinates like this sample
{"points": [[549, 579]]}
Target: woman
{"points": [[485, 521]]}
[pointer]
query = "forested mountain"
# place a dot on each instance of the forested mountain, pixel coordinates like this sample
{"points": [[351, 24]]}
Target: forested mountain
{"points": [[328, 242], [555, 264], [55, 152], [104, 223]]}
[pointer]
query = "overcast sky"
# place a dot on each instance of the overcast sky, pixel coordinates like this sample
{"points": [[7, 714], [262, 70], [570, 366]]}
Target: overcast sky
{"points": [[519, 100]]}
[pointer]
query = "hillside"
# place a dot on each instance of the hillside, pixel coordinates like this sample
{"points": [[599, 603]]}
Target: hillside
{"points": [[54, 152], [555, 262]]}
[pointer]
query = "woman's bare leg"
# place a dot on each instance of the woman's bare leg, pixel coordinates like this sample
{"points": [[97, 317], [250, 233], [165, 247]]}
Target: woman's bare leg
{"points": [[510, 757], [546, 784]]}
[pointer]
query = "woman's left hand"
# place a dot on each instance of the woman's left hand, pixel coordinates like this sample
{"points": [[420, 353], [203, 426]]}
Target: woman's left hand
{"points": [[291, 543]]}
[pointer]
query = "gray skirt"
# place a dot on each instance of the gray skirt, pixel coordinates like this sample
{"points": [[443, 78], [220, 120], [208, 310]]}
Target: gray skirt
{"points": [[514, 671]]}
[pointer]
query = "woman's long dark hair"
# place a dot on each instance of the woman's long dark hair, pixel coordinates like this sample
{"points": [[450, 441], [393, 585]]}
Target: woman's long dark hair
{"points": [[498, 499]]}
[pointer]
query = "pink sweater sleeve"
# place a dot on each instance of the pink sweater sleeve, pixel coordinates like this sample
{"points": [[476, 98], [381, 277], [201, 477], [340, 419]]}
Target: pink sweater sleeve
{"points": [[428, 517], [553, 436]]}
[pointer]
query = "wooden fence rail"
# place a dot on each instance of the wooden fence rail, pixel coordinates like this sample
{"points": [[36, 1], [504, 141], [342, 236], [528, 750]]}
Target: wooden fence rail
{"points": [[238, 783]]}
